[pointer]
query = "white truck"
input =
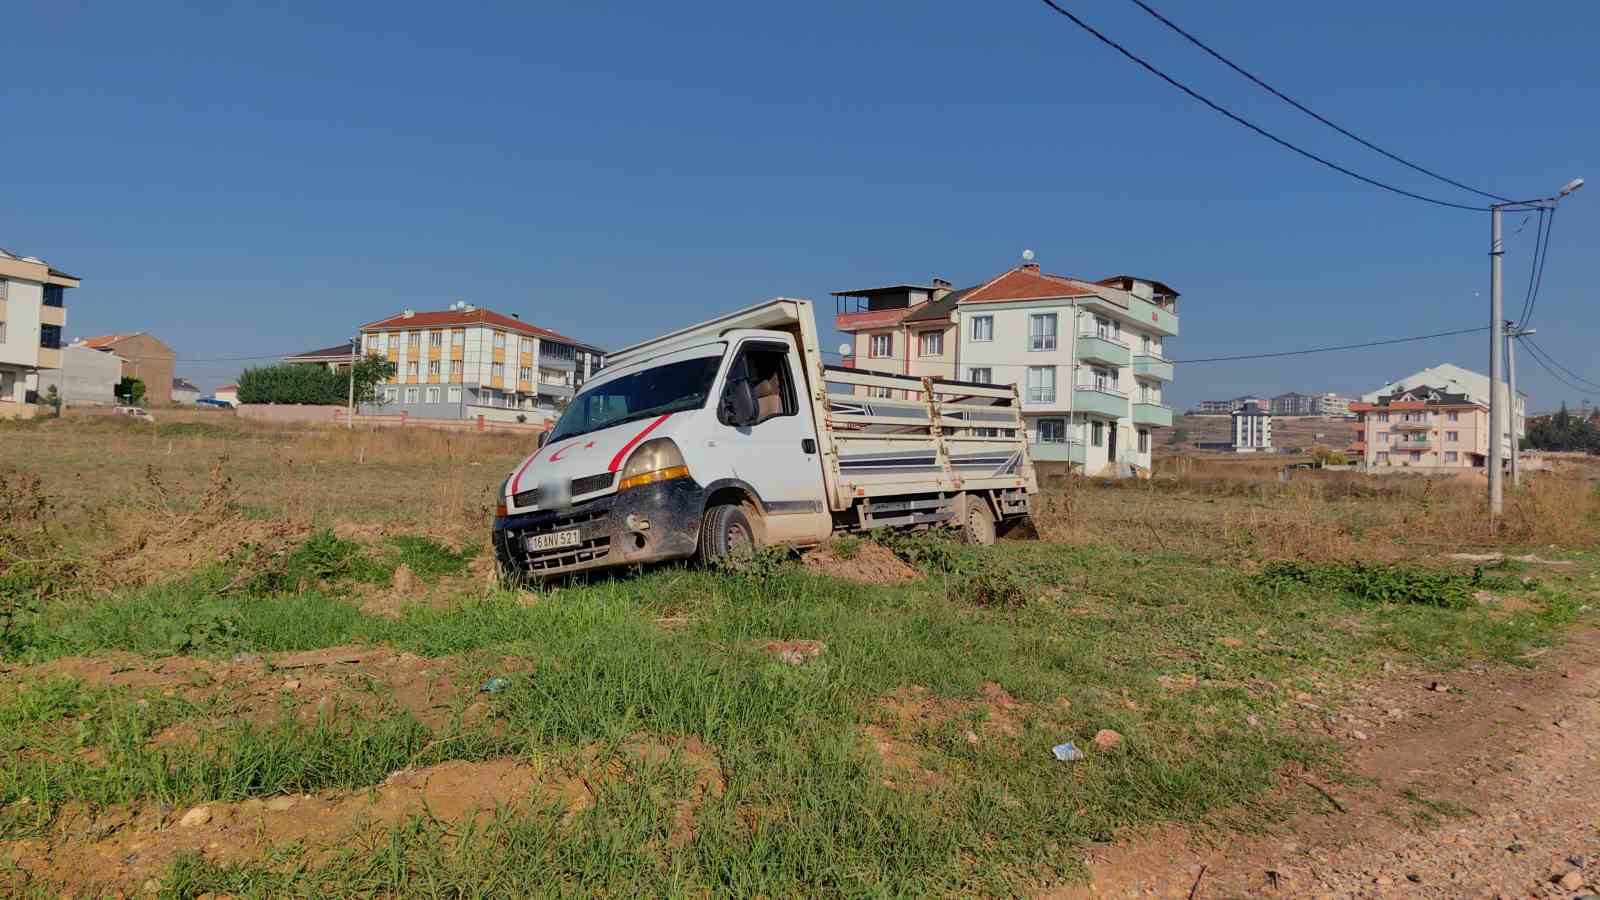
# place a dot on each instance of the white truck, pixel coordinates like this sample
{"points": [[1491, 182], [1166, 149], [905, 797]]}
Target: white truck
{"points": [[732, 434]]}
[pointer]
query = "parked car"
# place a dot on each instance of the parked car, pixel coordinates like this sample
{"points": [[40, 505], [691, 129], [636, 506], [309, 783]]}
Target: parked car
{"points": [[732, 434], [213, 402], [135, 412]]}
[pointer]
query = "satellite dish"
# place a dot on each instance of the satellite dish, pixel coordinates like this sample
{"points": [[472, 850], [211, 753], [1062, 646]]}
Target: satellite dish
{"points": [[1027, 255], [846, 349]]}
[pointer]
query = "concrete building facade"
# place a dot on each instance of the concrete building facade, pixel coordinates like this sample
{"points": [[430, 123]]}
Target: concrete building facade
{"points": [[1293, 403], [1252, 428], [454, 363], [1448, 377], [1332, 406], [1422, 428], [33, 316], [1087, 358], [144, 357], [87, 377]]}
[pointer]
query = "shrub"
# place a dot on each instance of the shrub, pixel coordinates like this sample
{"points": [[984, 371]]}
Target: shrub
{"points": [[1372, 583], [314, 385]]}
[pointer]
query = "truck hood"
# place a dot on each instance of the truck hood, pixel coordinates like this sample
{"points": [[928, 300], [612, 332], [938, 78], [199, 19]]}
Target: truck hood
{"points": [[586, 459]]}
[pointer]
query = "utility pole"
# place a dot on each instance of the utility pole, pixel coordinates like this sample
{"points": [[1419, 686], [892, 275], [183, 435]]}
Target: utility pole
{"points": [[1513, 332], [350, 408], [1497, 332]]}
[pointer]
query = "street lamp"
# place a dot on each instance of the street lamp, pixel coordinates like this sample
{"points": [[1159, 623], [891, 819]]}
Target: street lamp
{"points": [[1497, 324]]}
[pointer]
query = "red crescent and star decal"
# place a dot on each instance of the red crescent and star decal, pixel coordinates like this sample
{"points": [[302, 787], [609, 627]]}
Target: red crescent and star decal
{"points": [[556, 455]]}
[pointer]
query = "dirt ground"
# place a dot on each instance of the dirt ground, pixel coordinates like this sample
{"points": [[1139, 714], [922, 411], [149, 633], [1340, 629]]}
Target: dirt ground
{"points": [[1481, 784], [871, 563]]}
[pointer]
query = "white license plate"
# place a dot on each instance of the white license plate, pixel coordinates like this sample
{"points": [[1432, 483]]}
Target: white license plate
{"points": [[554, 540]]}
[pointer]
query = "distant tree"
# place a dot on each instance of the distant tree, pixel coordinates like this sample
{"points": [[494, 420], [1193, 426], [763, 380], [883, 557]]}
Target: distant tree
{"points": [[314, 385], [130, 391], [1179, 436], [1564, 432], [371, 372]]}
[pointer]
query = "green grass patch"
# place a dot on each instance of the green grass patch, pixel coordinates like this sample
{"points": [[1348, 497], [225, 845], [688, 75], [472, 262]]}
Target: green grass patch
{"points": [[1378, 584]]}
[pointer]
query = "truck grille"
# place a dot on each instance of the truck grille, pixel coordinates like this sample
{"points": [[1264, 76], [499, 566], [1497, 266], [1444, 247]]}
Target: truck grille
{"points": [[526, 499], [592, 547], [591, 483]]}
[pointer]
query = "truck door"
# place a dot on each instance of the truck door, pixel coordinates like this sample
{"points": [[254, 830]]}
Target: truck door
{"points": [[777, 456]]}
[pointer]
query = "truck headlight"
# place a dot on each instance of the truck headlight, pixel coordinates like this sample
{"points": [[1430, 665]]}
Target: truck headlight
{"points": [[653, 461]]}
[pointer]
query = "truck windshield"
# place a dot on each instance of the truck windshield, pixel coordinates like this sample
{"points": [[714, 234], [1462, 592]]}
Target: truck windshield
{"points": [[673, 387]]}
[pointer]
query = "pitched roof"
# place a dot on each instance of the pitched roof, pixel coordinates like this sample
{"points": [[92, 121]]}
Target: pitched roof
{"points": [[107, 341], [939, 310], [1026, 282], [870, 318], [477, 316], [179, 384], [337, 351]]}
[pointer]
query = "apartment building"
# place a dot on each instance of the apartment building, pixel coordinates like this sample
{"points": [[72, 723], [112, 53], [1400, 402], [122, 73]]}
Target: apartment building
{"points": [[1252, 428], [1086, 356], [1474, 385], [145, 357], [466, 361], [1227, 407], [337, 357], [33, 315], [1422, 428], [1293, 403], [1332, 406]]}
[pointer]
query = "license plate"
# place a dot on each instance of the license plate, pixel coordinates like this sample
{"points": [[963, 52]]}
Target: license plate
{"points": [[554, 540]]}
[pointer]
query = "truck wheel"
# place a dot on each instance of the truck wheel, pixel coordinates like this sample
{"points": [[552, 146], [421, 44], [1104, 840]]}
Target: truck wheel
{"points": [[725, 533], [975, 520]]}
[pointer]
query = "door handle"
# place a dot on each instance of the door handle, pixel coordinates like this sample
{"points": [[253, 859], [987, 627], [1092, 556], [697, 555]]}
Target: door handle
{"points": [[809, 445]]}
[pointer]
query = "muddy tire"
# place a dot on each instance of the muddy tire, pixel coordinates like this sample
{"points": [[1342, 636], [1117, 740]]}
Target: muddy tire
{"points": [[974, 520], [725, 535]]}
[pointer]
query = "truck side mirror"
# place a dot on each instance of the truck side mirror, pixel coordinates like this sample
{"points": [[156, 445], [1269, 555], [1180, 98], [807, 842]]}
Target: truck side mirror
{"points": [[739, 404]]}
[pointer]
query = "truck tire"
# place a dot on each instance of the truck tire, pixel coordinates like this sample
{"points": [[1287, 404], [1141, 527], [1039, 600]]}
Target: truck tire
{"points": [[974, 520], [725, 533]]}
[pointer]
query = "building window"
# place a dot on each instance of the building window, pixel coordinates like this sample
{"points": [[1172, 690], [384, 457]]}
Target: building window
{"points": [[456, 368], [1052, 431], [1383, 458], [1144, 440], [453, 394], [1451, 456], [1383, 417], [458, 337], [527, 345], [930, 343], [1416, 456], [2, 334], [1042, 331], [497, 371], [1383, 437], [1097, 433], [374, 343], [50, 337], [55, 295], [411, 369], [1452, 435], [1041, 384], [1105, 380], [414, 340], [525, 373], [880, 346], [1145, 345], [411, 395], [882, 393], [3, 284], [435, 339], [981, 374], [1452, 416], [433, 367], [983, 328], [433, 395], [499, 340], [391, 394]]}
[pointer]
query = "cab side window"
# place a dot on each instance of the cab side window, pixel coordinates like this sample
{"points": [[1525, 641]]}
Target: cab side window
{"points": [[767, 369]]}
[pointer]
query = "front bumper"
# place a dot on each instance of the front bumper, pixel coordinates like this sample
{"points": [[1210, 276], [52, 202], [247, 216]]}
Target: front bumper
{"points": [[607, 530]]}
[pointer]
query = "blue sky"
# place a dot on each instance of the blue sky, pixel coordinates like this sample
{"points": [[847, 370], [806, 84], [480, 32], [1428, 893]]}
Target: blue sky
{"points": [[243, 178]]}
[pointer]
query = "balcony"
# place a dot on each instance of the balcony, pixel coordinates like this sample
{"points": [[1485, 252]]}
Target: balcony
{"points": [[1148, 366], [1057, 451], [1097, 401], [1152, 414], [52, 315], [1094, 348], [1422, 443], [1403, 425]]}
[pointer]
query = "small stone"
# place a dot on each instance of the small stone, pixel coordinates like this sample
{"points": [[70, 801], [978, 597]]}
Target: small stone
{"points": [[1231, 642], [152, 885], [1359, 735], [972, 737], [1383, 881], [1252, 721], [1563, 723], [1570, 881], [1414, 878], [280, 804], [1107, 739], [1396, 713], [196, 817], [1439, 687], [293, 684]]}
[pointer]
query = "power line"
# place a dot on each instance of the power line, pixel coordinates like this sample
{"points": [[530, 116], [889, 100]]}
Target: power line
{"points": [[1302, 107], [1533, 268], [1243, 356], [1538, 281], [1247, 123], [1536, 349], [1534, 354]]}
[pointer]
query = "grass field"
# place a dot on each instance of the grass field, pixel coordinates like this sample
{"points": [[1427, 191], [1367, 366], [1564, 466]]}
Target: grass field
{"points": [[273, 662]]}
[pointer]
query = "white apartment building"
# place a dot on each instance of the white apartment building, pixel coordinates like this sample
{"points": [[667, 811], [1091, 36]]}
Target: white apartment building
{"points": [[1252, 428], [467, 361], [33, 316], [1088, 359], [1332, 406]]}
